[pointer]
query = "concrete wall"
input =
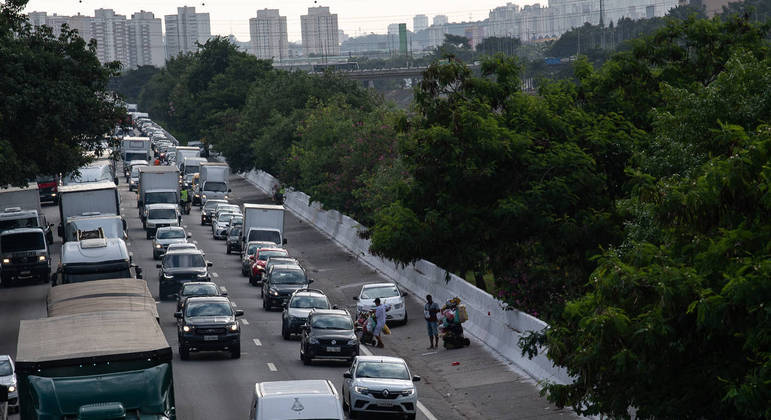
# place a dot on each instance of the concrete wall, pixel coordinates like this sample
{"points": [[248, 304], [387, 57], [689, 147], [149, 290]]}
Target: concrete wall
{"points": [[489, 320]]}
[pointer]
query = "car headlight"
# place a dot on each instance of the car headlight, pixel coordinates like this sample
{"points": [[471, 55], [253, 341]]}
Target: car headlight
{"points": [[234, 326], [398, 305], [226, 197], [313, 340], [186, 328], [204, 196], [273, 292], [408, 391], [167, 276], [158, 246], [361, 389], [41, 258], [6, 260], [197, 195], [352, 342], [11, 388]]}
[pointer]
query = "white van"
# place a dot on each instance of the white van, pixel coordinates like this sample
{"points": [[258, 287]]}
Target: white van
{"points": [[307, 399]]}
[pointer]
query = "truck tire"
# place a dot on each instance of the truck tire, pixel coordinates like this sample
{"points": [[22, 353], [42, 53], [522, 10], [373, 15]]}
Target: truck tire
{"points": [[285, 332], [227, 251]]}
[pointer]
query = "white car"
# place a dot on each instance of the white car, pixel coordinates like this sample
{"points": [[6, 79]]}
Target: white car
{"points": [[390, 296], [8, 378], [379, 384]]}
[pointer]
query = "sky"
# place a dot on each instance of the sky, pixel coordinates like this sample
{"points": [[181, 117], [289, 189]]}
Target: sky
{"points": [[355, 17]]}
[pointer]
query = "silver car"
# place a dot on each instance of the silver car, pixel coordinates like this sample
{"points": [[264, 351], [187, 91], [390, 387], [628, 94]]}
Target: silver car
{"points": [[219, 223], [379, 384], [166, 236], [8, 378]]}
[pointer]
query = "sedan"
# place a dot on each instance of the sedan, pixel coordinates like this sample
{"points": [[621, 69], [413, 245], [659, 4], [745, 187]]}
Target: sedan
{"points": [[329, 335], [198, 289], [390, 296], [379, 384], [166, 236], [247, 254], [260, 258], [8, 378]]}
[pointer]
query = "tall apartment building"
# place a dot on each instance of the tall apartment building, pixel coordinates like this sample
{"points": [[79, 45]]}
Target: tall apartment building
{"points": [[37, 19], [184, 29], [320, 32], [419, 23], [110, 31], [440, 20], [268, 35], [145, 40]]}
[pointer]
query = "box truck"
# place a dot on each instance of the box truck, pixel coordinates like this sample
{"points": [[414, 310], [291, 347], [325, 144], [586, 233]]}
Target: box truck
{"points": [[90, 199], [214, 181], [263, 222]]}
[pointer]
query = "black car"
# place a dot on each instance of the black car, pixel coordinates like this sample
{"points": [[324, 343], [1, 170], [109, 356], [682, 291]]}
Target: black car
{"points": [[198, 289], [208, 324], [179, 267], [296, 311], [280, 283], [233, 239], [329, 335]]}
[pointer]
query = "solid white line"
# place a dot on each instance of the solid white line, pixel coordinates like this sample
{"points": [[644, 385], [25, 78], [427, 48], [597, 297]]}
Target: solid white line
{"points": [[257, 342], [425, 411], [245, 322], [195, 242], [215, 275], [273, 368]]}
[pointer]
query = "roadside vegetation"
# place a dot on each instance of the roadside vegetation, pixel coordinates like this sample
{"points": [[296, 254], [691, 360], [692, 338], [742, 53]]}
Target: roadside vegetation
{"points": [[627, 204]]}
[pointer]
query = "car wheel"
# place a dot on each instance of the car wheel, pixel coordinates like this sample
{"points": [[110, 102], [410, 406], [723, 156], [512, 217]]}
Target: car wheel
{"points": [[227, 251], [44, 278], [235, 352], [148, 235], [243, 272], [184, 352], [262, 293], [346, 406], [265, 304], [306, 360], [155, 256], [404, 321], [410, 416], [351, 414], [285, 332]]}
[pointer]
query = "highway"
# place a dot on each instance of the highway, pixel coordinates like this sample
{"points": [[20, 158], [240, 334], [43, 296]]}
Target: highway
{"points": [[212, 386]]}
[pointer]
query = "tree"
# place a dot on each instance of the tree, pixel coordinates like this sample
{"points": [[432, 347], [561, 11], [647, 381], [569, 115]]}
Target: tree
{"points": [[129, 84], [493, 45], [54, 102]]}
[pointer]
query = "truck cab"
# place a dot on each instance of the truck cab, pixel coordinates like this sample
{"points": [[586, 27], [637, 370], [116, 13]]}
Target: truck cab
{"points": [[161, 215], [24, 254], [113, 226], [15, 217], [95, 259]]}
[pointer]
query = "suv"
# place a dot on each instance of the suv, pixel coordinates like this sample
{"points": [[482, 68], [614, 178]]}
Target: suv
{"points": [[329, 334], [166, 236], [280, 283], [379, 384], [179, 267], [390, 296], [24, 253], [208, 324], [296, 311], [303, 399], [8, 378], [198, 289], [207, 210], [161, 215], [260, 258]]}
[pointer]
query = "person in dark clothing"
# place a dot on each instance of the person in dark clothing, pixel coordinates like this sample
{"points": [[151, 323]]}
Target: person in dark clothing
{"points": [[432, 322]]}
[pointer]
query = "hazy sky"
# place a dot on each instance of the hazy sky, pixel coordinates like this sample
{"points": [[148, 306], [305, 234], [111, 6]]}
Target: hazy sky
{"points": [[355, 17]]}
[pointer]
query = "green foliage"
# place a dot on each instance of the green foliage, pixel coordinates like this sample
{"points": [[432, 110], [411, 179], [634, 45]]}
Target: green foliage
{"points": [[494, 45], [54, 102], [130, 85]]}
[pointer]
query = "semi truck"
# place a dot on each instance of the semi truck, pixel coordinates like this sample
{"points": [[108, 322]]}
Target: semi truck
{"points": [[20, 208], [214, 181], [157, 185], [263, 222], [98, 171], [101, 295], [24, 254], [136, 148], [95, 365], [95, 259], [113, 226], [90, 199]]}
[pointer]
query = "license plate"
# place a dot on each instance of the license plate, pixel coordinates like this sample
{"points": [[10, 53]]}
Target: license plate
{"points": [[26, 272], [210, 338], [389, 317], [333, 349], [385, 403]]}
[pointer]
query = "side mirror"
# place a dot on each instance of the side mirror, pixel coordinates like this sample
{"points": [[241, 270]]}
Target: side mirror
{"points": [[284, 241], [355, 298], [239, 312], [405, 294], [416, 379], [209, 263], [347, 375], [283, 305], [139, 272], [335, 307], [310, 281], [115, 180], [178, 315], [189, 235], [157, 266], [229, 190]]}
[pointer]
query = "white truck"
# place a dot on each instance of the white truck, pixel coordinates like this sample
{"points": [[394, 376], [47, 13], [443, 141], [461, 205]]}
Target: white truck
{"points": [[214, 181], [20, 208], [182, 152], [97, 171], [157, 185], [263, 222], [91, 199], [191, 165], [136, 148]]}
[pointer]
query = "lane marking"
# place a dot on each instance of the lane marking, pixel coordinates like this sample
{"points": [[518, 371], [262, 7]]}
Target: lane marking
{"points": [[365, 350], [245, 322], [425, 411], [128, 243], [234, 304], [273, 368], [195, 242], [257, 342], [215, 275]]}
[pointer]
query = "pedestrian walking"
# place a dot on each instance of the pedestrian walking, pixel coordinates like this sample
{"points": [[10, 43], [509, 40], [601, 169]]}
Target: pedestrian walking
{"points": [[380, 319], [432, 322]]}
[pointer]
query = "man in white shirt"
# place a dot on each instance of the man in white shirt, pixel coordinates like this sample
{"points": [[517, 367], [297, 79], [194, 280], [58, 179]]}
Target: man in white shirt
{"points": [[380, 319]]}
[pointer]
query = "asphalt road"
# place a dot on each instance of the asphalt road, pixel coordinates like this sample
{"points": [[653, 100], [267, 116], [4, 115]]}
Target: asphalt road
{"points": [[212, 386]]}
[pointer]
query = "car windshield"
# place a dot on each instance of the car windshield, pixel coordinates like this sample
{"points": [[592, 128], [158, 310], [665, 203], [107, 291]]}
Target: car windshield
{"points": [[382, 370], [237, 220], [236, 231], [135, 171], [170, 234], [183, 260], [169, 197], [264, 236], [210, 205], [27, 241], [379, 292], [227, 208], [331, 322], [199, 290], [155, 214], [209, 309], [9, 224], [252, 249], [265, 254], [288, 277], [5, 368], [224, 218], [215, 186], [308, 302]]}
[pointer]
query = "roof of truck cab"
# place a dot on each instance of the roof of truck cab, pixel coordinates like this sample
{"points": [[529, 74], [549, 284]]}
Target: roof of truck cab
{"points": [[89, 336], [101, 295], [94, 250], [30, 186], [158, 169], [87, 186], [22, 230], [156, 206], [263, 206]]}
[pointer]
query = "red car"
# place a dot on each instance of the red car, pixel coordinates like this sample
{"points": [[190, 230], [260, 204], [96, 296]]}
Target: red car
{"points": [[258, 263]]}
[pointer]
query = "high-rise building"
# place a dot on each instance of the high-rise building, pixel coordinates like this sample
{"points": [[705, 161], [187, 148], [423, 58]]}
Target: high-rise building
{"points": [[419, 23], [185, 29], [268, 35], [37, 19], [145, 40], [393, 38], [440, 20], [320, 32], [110, 31]]}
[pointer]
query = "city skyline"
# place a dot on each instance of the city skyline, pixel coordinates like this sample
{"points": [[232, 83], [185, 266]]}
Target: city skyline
{"points": [[232, 18]]}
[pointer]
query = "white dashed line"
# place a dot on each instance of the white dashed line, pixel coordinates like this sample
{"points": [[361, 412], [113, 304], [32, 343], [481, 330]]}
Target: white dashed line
{"points": [[195, 242], [234, 304], [245, 322], [215, 275], [273, 368], [365, 350], [257, 342], [128, 243]]}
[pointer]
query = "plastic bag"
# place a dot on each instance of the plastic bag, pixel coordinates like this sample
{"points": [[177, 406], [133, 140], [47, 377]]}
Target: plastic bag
{"points": [[371, 324], [462, 313], [386, 330]]}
